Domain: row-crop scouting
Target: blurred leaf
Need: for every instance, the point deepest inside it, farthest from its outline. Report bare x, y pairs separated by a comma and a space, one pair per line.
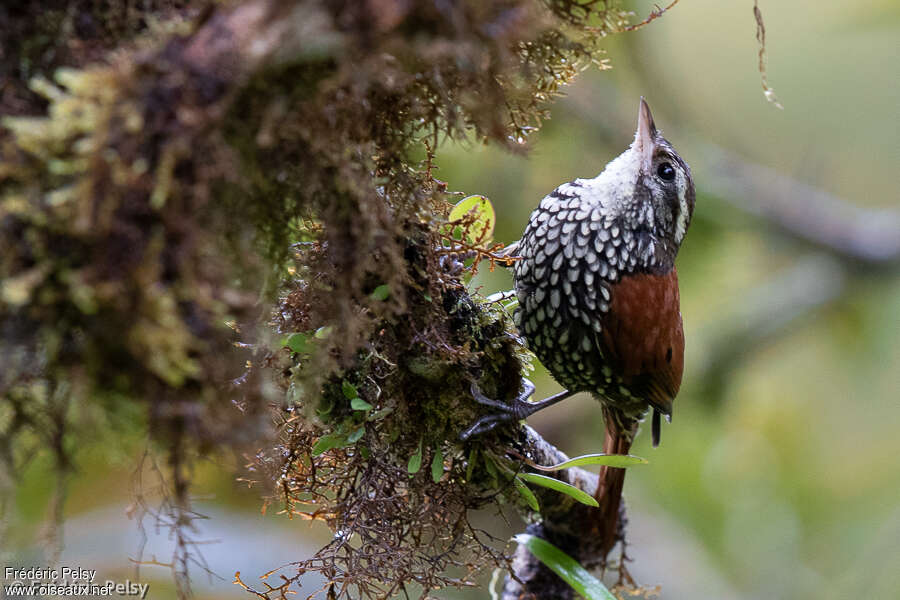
491, 468
610, 460
356, 435
324, 410
380, 413
300, 343
328, 442
382, 292
349, 390
324, 332
482, 229
559, 486
566, 567
415, 461
530, 499
437, 465
360, 404
17, 290
470, 467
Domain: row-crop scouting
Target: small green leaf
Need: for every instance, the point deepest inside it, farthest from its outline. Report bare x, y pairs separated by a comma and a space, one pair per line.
437, 465
470, 467
328, 442
482, 229
365, 452
299, 343
610, 460
490, 467
529, 497
566, 567
349, 390
380, 413
356, 435
415, 461
324, 409
360, 404
323, 332
382, 292
559, 486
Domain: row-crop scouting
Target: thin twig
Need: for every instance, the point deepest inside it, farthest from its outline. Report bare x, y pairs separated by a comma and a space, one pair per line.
761, 38
654, 14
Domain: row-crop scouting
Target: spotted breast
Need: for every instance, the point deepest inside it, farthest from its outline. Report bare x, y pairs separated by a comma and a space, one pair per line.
595, 316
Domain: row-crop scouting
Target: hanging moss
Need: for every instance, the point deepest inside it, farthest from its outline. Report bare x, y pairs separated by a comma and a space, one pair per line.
232, 206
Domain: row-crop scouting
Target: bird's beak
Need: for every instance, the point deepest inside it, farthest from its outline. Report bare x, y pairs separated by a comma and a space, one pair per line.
645, 134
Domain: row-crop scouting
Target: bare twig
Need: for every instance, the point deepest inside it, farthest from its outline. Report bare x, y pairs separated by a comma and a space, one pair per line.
463, 246
656, 13
866, 236
761, 38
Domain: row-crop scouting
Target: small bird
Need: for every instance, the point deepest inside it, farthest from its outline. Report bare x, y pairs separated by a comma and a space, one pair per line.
598, 291
599, 304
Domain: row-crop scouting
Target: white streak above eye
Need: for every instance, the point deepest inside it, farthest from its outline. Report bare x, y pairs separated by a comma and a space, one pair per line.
681, 222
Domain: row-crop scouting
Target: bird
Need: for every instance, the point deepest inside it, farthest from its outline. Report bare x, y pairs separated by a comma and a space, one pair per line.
597, 289
599, 305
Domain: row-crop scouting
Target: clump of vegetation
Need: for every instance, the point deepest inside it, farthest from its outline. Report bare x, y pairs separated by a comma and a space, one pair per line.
153, 205
371, 448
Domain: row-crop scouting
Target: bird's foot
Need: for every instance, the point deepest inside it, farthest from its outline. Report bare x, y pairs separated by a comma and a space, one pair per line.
516, 410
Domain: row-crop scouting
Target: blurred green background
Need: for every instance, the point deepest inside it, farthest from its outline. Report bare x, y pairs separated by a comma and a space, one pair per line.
780, 474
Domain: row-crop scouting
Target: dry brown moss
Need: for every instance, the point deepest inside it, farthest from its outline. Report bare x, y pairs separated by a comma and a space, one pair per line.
171, 191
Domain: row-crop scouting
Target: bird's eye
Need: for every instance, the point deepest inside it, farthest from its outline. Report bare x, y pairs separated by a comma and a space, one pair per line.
665, 171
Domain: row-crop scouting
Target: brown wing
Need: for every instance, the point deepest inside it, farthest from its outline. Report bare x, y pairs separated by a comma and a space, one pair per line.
644, 336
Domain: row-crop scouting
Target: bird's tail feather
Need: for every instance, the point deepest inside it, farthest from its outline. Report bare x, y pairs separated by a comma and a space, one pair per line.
620, 431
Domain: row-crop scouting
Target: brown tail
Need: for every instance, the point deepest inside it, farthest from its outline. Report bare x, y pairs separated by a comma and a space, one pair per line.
609, 523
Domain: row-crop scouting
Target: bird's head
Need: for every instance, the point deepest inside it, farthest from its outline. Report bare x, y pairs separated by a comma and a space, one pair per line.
664, 181
653, 189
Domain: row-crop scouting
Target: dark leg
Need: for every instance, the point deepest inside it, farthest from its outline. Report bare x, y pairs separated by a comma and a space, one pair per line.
520, 408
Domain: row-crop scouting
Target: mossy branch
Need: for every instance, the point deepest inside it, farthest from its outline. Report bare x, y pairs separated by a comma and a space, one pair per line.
232, 209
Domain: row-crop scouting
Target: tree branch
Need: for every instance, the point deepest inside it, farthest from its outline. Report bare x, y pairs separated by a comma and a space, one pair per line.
562, 523
767, 313
866, 236
134, 219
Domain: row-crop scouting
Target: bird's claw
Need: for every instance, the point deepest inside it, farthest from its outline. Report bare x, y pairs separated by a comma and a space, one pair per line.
516, 410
